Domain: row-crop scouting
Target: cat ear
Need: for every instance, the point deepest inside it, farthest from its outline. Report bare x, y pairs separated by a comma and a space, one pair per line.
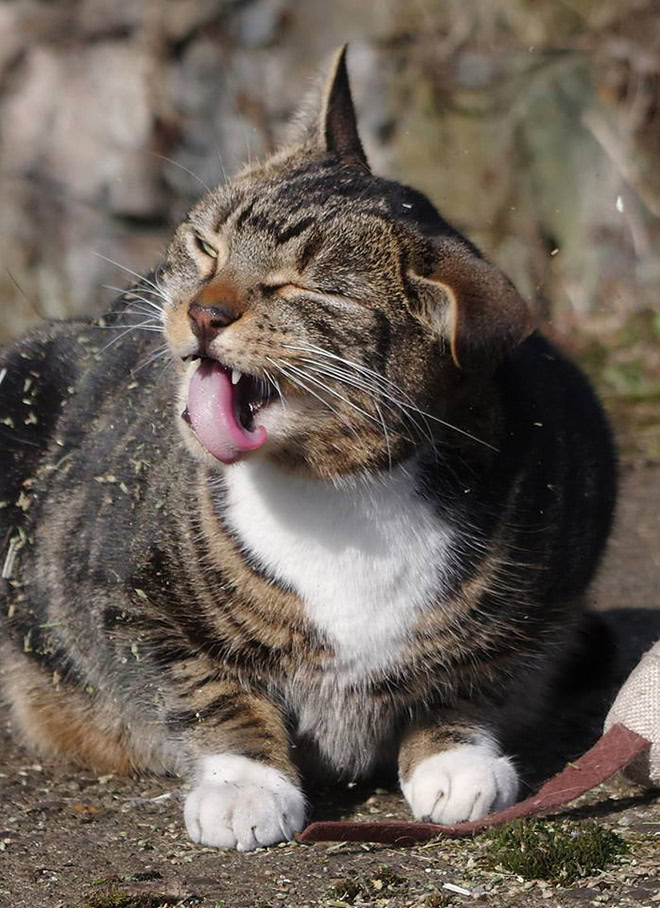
327, 116
472, 304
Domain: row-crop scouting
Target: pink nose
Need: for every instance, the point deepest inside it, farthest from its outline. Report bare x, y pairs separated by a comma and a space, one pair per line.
207, 321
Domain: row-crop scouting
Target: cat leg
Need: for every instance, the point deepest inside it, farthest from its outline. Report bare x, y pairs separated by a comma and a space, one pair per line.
56, 720
455, 771
247, 792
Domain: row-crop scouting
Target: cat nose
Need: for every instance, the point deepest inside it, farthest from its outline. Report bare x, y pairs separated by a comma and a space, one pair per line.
207, 321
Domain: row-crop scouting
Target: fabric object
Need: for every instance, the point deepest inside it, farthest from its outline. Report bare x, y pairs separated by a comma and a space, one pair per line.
637, 706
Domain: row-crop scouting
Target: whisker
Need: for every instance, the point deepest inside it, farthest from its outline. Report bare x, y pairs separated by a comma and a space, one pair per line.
374, 377
369, 386
380, 380
380, 422
130, 295
119, 336
386, 435
157, 354
222, 163
373, 391
140, 277
411, 407
130, 291
149, 325
274, 382
301, 384
330, 391
375, 381
33, 304
182, 167
157, 293
141, 310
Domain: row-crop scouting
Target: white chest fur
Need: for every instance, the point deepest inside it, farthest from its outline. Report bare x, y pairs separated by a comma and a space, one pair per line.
364, 560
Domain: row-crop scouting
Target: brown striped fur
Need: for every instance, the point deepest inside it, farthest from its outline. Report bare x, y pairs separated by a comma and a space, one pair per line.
403, 356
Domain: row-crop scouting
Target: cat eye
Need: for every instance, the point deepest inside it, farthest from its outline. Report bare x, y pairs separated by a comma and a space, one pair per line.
295, 291
206, 248
285, 288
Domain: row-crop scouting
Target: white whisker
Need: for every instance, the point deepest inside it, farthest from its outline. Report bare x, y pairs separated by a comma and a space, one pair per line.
140, 277
182, 167
222, 164
142, 311
386, 434
131, 291
157, 354
123, 333
148, 325
130, 295
274, 382
324, 387
412, 407
301, 384
373, 391
369, 382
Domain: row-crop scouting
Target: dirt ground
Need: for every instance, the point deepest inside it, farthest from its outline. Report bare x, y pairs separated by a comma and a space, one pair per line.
70, 838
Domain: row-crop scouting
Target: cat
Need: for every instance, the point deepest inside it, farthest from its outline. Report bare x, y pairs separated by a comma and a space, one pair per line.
344, 520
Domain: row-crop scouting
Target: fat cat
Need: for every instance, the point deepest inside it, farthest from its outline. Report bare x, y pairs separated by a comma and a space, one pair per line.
344, 519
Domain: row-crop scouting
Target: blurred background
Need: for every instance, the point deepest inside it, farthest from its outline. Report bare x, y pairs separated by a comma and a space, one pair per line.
534, 125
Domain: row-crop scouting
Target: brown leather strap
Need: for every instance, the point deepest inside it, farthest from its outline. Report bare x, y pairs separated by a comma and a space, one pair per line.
616, 749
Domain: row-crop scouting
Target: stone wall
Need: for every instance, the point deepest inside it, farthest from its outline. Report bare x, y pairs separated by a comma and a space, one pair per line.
533, 124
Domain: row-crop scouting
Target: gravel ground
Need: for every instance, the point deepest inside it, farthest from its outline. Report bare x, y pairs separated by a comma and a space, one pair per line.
70, 838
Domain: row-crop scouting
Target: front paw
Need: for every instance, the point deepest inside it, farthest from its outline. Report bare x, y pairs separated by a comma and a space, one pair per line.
243, 804
464, 783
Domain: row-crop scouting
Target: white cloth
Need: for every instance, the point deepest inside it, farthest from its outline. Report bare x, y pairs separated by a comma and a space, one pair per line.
637, 706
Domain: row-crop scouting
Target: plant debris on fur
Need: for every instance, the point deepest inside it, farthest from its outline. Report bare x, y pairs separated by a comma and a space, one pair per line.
558, 852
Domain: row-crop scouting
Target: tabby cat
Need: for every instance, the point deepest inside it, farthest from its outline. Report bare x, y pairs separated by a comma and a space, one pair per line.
344, 520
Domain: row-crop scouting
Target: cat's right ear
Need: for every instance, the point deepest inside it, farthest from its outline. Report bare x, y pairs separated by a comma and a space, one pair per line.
326, 119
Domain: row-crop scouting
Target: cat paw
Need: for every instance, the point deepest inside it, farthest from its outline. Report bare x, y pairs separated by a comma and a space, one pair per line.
243, 804
464, 783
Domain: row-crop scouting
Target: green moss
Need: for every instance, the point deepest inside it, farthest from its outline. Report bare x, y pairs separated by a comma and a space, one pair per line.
116, 898
559, 852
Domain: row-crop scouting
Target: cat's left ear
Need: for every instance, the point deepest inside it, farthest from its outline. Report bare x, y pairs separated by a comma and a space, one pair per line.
327, 118
471, 304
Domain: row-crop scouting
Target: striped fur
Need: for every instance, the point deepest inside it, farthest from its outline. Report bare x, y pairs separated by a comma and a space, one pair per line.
404, 559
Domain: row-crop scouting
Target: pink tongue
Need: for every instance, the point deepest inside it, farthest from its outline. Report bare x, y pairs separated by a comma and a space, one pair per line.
211, 412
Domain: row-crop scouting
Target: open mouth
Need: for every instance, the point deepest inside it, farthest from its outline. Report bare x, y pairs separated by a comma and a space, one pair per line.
222, 409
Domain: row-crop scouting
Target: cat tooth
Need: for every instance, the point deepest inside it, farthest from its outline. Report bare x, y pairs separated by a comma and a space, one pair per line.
235, 376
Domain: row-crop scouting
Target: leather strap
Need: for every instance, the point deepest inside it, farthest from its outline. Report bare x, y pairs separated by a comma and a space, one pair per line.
615, 750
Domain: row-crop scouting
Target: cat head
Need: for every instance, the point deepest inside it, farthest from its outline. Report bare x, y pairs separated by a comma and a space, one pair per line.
325, 316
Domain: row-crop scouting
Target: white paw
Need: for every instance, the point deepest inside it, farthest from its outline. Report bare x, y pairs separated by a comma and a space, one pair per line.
242, 804
464, 783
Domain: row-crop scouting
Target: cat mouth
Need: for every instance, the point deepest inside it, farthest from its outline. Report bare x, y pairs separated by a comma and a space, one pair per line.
222, 407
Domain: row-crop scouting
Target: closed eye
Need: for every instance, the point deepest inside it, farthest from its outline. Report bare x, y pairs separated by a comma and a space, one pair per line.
205, 247
286, 288
291, 291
